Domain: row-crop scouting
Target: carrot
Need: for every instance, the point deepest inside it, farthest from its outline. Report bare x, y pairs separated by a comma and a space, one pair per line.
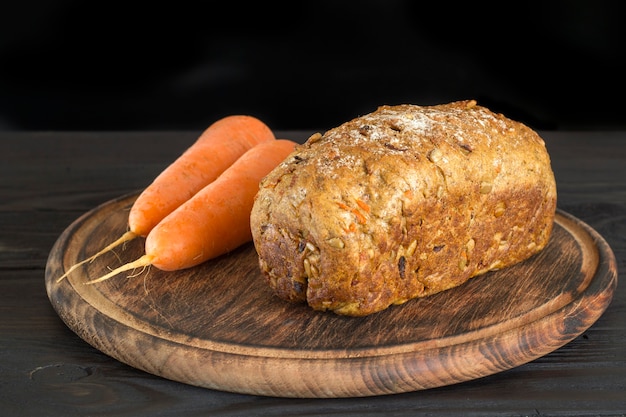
214, 221
217, 148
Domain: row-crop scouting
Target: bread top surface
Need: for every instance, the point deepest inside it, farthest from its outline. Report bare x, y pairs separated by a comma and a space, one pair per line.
327, 221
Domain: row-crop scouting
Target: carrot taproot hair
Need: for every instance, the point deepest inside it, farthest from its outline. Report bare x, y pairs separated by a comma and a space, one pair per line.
215, 220
216, 149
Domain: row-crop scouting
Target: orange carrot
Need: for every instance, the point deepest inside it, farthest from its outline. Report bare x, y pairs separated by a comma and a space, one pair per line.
217, 148
214, 221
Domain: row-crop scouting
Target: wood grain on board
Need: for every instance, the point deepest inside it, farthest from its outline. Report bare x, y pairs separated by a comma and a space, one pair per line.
219, 326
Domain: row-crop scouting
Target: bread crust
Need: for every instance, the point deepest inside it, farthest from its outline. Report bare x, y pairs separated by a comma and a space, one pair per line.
401, 203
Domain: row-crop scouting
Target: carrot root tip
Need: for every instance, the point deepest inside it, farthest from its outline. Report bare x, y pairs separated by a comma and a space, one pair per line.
143, 261
122, 239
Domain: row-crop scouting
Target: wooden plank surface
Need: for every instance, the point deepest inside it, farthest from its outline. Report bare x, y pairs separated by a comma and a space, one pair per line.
49, 179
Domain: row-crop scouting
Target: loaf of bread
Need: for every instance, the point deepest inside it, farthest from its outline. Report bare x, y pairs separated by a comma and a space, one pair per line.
401, 203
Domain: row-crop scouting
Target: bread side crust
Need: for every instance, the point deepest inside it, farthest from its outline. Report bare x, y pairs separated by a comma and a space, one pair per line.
401, 203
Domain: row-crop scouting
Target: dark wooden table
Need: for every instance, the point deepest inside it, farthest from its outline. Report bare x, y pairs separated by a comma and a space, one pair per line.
48, 179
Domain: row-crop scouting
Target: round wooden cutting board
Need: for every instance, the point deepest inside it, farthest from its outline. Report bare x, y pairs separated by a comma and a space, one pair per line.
219, 326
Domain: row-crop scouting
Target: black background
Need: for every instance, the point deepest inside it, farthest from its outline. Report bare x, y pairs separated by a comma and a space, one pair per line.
121, 65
